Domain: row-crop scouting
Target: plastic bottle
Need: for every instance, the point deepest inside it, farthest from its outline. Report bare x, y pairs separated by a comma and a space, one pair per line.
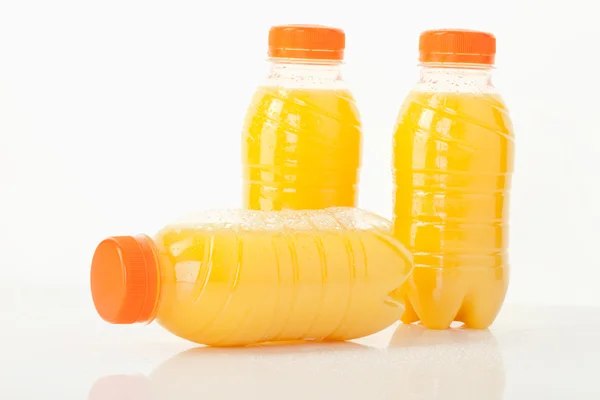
453, 161
302, 133
229, 278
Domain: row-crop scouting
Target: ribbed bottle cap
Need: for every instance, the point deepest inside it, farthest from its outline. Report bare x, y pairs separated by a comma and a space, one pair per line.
125, 279
457, 46
307, 42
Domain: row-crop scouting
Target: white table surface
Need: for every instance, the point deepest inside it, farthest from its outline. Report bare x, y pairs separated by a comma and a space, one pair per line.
53, 346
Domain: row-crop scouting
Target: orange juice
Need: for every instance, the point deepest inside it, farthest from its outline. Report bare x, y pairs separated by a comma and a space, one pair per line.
228, 278
301, 138
453, 151
302, 149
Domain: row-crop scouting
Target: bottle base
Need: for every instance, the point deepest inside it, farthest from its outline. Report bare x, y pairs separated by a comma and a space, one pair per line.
438, 297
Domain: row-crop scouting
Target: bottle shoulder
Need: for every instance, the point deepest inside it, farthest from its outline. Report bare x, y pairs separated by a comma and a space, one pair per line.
455, 114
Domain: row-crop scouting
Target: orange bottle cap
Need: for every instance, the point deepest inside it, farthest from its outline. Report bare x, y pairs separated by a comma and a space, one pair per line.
125, 279
457, 46
313, 42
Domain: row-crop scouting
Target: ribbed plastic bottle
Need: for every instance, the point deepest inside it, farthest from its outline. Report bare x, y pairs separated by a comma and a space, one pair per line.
301, 138
453, 161
228, 278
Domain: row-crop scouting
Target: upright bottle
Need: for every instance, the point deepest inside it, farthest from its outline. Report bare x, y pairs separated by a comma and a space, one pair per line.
453, 161
302, 133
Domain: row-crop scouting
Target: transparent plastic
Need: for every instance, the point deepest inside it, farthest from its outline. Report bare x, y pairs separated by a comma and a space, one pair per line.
301, 139
453, 161
242, 277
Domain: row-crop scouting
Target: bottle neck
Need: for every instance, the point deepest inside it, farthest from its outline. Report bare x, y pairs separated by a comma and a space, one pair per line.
459, 78
308, 74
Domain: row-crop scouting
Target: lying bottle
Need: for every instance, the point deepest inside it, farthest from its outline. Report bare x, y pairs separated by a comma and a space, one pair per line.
229, 278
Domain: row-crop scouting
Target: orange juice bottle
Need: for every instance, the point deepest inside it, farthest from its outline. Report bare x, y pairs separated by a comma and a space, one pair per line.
453, 161
302, 133
227, 278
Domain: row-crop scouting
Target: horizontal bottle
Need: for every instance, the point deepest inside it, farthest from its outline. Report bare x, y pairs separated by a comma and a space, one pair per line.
240, 277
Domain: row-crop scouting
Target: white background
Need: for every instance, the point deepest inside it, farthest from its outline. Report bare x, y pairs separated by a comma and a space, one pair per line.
117, 116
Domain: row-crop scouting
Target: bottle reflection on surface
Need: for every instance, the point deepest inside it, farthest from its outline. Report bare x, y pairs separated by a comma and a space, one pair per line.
418, 363
449, 364
295, 371
121, 387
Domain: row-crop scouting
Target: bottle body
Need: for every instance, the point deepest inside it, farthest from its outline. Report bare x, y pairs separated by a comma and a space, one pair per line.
301, 140
243, 277
453, 161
